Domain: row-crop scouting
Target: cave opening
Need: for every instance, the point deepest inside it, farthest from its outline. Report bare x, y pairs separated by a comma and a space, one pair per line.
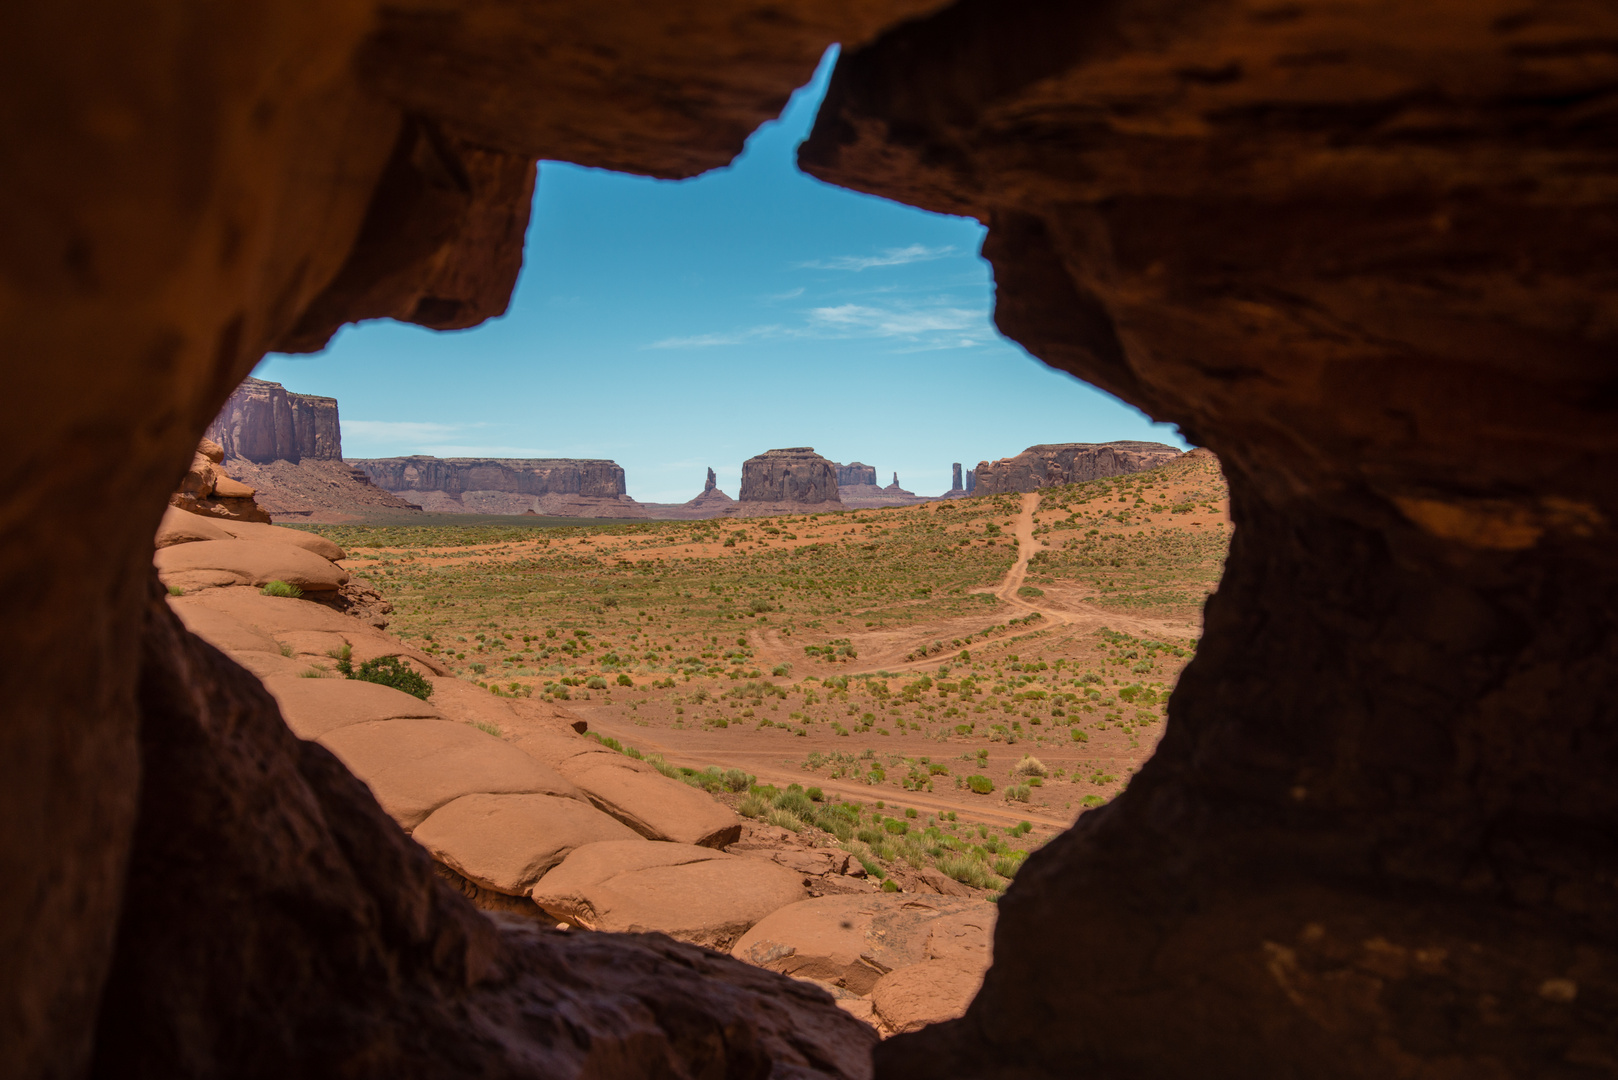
1365, 257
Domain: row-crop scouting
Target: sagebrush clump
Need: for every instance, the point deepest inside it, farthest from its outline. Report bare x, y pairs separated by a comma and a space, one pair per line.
389, 671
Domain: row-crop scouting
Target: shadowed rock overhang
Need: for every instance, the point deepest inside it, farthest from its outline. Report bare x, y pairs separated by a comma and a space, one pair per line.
1362, 251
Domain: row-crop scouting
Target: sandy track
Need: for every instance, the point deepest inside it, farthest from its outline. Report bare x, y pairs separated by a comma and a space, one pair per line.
766, 764
884, 650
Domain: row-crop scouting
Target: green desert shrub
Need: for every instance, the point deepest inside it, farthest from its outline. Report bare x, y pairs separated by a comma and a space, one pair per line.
391, 671
836, 824
752, 806
796, 803
736, 780
281, 588
625, 680
1007, 865
595, 682
967, 870
784, 819
980, 785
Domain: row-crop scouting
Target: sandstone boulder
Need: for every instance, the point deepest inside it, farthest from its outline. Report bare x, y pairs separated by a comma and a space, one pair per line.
252, 562
252, 530
181, 527
226, 488
925, 993
691, 893
313, 707
508, 842
853, 941
205, 490
415, 765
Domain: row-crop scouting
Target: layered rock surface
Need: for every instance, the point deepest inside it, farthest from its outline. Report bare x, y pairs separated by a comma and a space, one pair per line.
1363, 253
1050, 464
1340, 247
188, 889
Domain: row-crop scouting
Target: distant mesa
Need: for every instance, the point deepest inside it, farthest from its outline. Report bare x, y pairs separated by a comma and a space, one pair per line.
860, 491
288, 449
1050, 464
264, 421
550, 487
570, 487
792, 480
855, 474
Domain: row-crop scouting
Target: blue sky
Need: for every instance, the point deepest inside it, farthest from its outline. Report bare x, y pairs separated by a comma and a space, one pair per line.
673, 326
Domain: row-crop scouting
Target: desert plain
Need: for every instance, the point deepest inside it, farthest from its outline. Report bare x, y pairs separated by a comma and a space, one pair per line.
944, 685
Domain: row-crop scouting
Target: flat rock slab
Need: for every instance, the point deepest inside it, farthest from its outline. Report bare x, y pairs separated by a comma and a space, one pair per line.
691, 893
313, 707
567, 752
509, 842
224, 631
853, 941
253, 562
926, 993
655, 806
182, 527
414, 766
283, 618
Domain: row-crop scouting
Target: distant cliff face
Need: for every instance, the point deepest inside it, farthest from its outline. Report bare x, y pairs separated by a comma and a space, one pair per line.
263, 422
1050, 464
591, 478
854, 473
796, 475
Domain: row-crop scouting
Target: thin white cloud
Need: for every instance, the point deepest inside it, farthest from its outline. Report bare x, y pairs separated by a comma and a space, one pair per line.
935, 323
864, 320
890, 257
790, 294
733, 337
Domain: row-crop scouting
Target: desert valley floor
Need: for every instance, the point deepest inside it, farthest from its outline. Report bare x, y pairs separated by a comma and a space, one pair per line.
889, 660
